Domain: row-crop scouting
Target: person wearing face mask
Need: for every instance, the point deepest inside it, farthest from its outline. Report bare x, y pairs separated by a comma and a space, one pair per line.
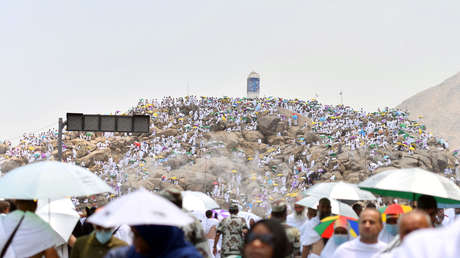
97, 244
390, 228
339, 237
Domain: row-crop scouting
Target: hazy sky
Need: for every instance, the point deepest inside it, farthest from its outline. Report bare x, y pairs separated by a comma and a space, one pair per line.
98, 56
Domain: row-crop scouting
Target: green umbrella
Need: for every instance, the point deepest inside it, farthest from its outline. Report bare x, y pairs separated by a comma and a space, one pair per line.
411, 183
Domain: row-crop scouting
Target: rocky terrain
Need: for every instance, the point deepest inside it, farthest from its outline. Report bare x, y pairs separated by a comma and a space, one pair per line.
249, 150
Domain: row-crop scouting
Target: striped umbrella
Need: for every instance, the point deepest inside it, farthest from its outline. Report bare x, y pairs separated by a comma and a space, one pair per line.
326, 228
393, 209
410, 183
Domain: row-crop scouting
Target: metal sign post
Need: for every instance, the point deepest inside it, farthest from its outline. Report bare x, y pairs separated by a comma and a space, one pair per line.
102, 123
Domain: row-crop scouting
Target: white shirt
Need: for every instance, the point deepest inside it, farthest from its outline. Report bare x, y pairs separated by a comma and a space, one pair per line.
356, 249
296, 221
309, 235
438, 242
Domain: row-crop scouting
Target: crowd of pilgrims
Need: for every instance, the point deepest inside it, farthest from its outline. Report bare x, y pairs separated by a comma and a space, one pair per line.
338, 127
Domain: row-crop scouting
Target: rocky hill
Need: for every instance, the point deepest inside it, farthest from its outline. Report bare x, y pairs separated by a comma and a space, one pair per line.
439, 108
252, 150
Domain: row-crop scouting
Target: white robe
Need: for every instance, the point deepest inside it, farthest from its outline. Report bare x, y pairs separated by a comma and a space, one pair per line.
296, 221
357, 249
309, 235
438, 242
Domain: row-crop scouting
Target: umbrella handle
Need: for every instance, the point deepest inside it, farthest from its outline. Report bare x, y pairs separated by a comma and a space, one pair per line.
10, 239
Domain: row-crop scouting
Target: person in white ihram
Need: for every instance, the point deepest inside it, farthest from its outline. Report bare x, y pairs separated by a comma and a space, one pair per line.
297, 218
367, 244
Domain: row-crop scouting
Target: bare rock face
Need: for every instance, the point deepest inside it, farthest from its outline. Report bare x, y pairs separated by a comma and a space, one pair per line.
271, 125
275, 140
311, 137
3, 148
168, 132
99, 155
230, 139
252, 136
11, 164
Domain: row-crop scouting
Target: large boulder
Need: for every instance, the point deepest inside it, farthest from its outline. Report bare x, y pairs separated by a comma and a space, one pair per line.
253, 136
230, 139
11, 164
275, 140
310, 137
99, 155
168, 132
271, 125
3, 148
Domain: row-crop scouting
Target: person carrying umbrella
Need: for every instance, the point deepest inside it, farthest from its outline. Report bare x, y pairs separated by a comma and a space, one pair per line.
194, 232
158, 241
390, 227
340, 236
309, 236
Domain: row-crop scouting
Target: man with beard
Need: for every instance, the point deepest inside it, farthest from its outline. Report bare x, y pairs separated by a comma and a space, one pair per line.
297, 218
310, 237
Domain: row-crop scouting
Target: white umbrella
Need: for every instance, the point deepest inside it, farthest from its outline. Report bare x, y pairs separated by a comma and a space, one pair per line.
197, 201
60, 214
338, 208
33, 236
410, 183
340, 191
140, 208
50, 180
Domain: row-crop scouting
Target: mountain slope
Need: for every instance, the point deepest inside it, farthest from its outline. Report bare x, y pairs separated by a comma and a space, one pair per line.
440, 108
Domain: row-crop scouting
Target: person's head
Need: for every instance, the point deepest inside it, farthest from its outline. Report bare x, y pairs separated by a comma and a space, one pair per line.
155, 240
173, 194
233, 209
4, 207
413, 220
340, 235
102, 234
370, 225
299, 209
429, 205
324, 208
391, 226
311, 213
371, 205
266, 239
279, 210
357, 208
209, 214
26, 205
